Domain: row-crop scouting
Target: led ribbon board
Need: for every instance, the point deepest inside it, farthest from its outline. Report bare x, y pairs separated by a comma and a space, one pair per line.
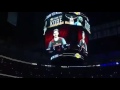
71, 18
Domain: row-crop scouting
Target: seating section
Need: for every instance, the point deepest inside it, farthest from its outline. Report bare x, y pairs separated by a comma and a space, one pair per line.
12, 69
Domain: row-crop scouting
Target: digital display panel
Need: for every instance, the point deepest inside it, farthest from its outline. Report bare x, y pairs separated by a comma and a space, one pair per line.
77, 19
66, 35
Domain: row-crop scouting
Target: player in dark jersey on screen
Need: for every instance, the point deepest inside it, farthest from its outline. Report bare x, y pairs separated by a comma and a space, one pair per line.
82, 44
56, 41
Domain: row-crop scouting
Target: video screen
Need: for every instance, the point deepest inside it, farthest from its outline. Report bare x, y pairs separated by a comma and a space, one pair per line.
77, 19
74, 20
64, 37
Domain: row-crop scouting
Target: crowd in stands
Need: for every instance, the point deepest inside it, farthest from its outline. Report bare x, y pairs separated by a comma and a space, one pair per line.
23, 70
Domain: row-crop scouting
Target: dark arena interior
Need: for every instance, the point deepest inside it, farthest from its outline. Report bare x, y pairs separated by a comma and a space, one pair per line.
25, 51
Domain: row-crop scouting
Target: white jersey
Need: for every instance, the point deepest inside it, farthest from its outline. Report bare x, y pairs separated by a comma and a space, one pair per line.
72, 21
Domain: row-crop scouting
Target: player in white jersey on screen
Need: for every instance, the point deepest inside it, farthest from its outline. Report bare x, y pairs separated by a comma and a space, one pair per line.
71, 19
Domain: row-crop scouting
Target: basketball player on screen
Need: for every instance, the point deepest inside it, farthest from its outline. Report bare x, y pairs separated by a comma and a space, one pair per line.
79, 21
56, 41
82, 44
71, 19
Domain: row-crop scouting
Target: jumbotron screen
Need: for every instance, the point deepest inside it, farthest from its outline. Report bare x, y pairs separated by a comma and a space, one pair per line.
66, 35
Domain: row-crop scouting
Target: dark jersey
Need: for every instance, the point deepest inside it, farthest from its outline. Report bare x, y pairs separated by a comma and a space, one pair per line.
53, 43
56, 43
83, 45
